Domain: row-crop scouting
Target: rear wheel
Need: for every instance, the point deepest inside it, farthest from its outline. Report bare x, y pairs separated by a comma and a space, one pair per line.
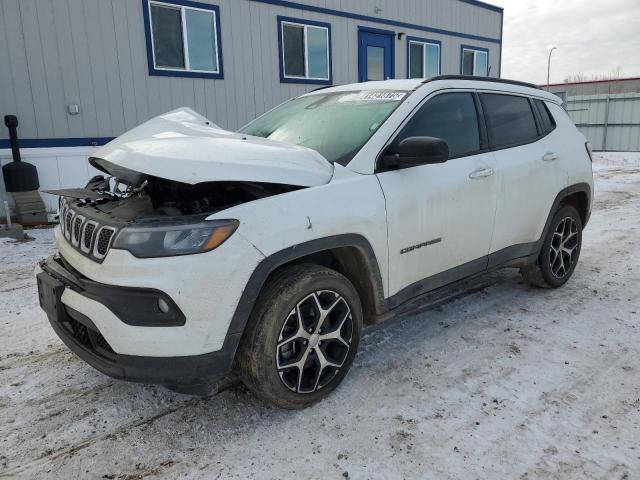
560, 251
302, 337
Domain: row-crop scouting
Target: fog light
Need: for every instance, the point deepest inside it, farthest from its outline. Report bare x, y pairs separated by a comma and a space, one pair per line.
163, 306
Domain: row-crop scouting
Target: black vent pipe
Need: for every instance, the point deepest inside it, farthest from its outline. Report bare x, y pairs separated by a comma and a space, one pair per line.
11, 121
18, 176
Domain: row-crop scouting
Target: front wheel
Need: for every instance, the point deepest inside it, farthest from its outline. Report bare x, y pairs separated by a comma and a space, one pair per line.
302, 337
560, 251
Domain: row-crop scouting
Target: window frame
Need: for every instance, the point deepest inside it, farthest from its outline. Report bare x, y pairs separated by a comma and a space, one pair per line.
182, 5
424, 42
482, 129
282, 20
475, 50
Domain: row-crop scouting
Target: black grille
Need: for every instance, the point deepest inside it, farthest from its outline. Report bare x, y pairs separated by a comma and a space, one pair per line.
103, 241
77, 223
87, 336
80, 332
101, 342
88, 235
67, 222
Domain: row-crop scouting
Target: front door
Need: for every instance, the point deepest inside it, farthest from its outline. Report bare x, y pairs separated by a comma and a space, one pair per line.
375, 56
440, 217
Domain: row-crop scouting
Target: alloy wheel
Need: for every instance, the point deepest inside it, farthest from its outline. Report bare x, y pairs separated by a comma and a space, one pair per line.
314, 341
563, 248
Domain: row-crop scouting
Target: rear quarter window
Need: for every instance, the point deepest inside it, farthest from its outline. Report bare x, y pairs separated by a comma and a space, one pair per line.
509, 118
547, 120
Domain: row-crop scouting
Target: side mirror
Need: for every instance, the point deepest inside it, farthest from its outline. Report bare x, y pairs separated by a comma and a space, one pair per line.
414, 151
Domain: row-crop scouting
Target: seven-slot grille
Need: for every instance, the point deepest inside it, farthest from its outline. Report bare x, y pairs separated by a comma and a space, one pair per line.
88, 236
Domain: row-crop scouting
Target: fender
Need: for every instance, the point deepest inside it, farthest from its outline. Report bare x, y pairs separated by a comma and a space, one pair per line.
528, 252
269, 264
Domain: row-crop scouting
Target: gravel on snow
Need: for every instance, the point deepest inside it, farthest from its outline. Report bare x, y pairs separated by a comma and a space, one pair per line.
507, 381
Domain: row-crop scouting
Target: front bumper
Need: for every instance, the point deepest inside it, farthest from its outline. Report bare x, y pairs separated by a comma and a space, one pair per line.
196, 374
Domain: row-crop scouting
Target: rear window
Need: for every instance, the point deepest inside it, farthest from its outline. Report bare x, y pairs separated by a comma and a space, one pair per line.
509, 119
548, 123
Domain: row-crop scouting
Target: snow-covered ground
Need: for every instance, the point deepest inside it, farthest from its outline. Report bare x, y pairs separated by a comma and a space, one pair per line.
505, 382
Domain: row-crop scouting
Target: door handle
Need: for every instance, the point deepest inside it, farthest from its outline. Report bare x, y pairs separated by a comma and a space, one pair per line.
481, 173
550, 156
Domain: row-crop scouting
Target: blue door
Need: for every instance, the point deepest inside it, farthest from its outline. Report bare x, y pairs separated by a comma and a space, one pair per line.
375, 55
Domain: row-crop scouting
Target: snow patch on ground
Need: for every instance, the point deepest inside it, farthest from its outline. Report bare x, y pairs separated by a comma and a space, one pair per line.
505, 382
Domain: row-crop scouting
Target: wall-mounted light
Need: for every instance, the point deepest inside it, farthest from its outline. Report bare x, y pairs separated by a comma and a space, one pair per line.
400, 35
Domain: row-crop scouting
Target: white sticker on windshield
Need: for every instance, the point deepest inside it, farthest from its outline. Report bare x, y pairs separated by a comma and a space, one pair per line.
374, 96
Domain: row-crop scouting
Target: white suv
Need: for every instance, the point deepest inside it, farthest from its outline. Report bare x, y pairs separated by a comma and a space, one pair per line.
208, 256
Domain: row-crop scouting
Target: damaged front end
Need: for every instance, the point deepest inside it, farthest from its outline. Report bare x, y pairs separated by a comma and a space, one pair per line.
166, 176
151, 216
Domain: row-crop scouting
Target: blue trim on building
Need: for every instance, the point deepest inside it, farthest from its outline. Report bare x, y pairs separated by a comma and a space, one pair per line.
479, 49
153, 71
383, 21
425, 40
313, 23
58, 142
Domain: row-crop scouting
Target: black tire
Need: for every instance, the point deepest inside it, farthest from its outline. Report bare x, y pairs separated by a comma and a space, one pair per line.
298, 293
550, 269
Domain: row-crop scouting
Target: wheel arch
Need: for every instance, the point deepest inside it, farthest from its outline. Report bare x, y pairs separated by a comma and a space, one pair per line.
580, 200
349, 254
578, 196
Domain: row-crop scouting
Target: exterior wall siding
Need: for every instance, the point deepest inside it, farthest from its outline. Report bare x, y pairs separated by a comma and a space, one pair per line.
93, 53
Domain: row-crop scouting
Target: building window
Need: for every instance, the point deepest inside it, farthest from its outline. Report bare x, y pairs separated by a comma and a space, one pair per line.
474, 61
183, 39
423, 58
305, 51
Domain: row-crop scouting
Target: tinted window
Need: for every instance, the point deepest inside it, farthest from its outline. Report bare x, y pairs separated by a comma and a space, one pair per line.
467, 62
167, 37
451, 117
510, 120
293, 40
548, 123
416, 60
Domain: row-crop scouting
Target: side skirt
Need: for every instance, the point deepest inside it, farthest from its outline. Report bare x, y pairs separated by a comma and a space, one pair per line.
439, 284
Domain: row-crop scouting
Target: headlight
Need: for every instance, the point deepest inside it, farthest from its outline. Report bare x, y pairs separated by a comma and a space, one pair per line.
171, 240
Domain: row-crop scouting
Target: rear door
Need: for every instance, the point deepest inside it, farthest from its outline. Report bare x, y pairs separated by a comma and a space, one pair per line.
528, 173
440, 216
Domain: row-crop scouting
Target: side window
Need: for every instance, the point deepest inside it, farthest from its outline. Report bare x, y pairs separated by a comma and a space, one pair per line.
548, 123
449, 116
509, 119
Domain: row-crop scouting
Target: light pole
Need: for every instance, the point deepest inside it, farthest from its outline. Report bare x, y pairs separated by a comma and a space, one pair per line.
549, 65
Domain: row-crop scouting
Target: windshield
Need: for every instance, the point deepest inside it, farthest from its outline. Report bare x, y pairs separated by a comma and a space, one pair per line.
336, 125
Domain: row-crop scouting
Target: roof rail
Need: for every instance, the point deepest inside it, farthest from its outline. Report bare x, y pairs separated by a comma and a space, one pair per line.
483, 79
321, 88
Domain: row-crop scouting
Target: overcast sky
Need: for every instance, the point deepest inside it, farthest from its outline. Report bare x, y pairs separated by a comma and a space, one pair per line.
592, 36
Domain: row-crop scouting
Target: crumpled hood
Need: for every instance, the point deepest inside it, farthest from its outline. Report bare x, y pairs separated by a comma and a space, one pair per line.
184, 146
